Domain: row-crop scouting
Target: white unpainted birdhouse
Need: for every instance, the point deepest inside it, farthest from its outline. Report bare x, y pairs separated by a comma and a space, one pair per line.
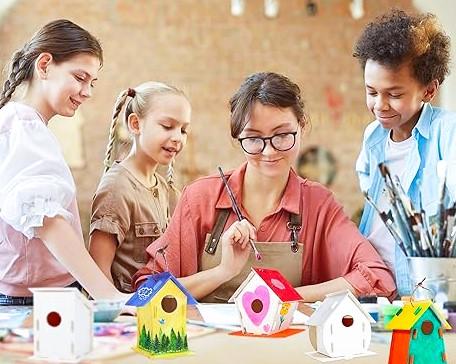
62, 324
340, 327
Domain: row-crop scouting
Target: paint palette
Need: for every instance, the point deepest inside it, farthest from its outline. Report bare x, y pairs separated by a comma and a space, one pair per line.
107, 310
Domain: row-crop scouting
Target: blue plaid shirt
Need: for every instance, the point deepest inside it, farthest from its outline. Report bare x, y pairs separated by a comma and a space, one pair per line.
435, 139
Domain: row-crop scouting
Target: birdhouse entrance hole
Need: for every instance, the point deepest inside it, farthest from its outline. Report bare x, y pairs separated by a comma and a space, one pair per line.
168, 303
54, 319
257, 305
427, 327
347, 320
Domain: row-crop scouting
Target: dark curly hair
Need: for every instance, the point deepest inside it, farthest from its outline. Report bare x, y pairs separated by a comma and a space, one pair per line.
397, 37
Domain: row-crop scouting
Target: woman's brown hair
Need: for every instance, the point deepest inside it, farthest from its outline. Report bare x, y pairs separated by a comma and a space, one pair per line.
268, 88
61, 38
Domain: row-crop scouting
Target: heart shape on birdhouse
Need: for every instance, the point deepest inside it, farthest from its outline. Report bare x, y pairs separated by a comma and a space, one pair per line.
256, 304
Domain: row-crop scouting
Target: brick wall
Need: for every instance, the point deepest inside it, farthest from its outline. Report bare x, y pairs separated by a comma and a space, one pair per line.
198, 46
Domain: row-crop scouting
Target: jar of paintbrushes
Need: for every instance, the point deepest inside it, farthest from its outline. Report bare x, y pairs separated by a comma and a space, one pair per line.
428, 243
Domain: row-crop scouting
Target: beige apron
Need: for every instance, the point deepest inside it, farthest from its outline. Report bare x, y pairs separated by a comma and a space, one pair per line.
275, 255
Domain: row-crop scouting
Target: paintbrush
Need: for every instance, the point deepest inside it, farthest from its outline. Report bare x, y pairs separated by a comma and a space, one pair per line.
398, 210
450, 215
418, 235
388, 221
427, 229
450, 220
406, 209
442, 174
452, 247
237, 210
415, 228
425, 237
405, 200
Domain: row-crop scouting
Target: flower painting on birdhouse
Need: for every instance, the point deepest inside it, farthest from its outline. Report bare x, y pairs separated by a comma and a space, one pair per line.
161, 304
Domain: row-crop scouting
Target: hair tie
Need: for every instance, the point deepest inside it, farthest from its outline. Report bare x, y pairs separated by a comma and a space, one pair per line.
131, 92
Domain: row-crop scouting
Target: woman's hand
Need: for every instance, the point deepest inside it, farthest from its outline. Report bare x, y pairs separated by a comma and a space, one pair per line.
236, 248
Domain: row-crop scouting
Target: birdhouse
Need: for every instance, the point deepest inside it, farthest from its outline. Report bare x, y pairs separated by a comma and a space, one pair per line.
161, 304
266, 302
418, 334
340, 327
62, 324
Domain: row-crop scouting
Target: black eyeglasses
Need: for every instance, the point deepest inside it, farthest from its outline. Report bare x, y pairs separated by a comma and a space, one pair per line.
281, 142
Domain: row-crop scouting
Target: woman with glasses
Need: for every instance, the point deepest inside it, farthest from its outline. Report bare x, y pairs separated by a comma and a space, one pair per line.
296, 225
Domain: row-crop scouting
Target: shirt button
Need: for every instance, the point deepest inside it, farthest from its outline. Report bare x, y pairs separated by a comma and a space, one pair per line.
262, 228
156, 230
141, 230
155, 193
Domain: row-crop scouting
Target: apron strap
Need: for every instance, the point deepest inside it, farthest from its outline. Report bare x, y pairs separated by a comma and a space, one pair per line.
295, 224
217, 231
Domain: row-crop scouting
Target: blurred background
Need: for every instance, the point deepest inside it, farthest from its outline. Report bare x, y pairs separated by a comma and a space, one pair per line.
207, 47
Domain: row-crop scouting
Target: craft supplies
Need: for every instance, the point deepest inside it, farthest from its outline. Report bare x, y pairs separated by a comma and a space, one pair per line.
416, 233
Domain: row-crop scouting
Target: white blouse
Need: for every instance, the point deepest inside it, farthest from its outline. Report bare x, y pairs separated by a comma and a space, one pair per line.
35, 180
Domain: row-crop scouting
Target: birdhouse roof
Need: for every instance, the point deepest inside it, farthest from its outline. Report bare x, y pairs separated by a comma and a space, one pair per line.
331, 302
152, 286
275, 281
410, 313
72, 291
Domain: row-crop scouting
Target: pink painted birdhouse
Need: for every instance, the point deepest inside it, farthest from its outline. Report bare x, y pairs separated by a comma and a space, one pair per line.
266, 302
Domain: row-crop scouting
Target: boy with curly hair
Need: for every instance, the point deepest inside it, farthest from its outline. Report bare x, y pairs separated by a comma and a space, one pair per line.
405, 59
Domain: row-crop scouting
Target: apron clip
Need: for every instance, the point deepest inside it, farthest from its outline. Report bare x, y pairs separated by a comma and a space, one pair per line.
294, 236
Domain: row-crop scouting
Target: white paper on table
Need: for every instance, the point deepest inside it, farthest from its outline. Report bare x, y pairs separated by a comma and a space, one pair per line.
226, 314
324, 359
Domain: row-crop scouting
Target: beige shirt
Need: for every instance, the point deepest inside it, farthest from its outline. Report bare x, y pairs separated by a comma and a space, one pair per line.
137, 215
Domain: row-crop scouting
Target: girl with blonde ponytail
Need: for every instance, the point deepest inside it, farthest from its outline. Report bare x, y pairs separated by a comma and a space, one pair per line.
41, 243
133, 203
